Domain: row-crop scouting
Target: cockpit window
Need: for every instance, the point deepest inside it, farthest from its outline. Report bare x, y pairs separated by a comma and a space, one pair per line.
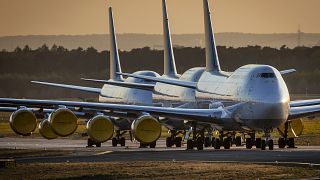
266, 75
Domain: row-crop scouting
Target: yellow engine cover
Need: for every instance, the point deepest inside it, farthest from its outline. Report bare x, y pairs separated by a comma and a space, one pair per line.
46, 131
23, 122
63, 122
146, 129
100, 128
295, 128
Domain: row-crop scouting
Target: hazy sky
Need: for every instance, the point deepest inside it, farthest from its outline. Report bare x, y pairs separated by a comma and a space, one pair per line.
46, 17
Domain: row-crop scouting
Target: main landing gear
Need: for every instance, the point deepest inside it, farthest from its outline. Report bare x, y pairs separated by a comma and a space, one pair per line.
196, 141
91, 142
174, 139
119, 139
285, 140
151, 145
260, 143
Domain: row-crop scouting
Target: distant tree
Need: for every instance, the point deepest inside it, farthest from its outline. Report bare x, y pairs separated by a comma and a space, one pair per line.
26, 49
17, 50
54, 48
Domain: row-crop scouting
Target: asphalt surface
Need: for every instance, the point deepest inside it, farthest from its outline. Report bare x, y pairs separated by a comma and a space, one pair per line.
79, 153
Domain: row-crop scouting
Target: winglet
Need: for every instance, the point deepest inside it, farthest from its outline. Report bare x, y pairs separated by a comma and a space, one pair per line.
212, 60
114, 54
169, 62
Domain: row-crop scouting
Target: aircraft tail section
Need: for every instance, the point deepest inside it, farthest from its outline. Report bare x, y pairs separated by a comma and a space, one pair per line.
212, 60
169, 61
114, 54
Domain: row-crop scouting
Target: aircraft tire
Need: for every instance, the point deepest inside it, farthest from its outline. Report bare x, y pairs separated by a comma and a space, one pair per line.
281, 143
238, 141
123, 141
217, 143
114, 142
199, 143
291, 143
248, 143
226, 143
270, 144
263, 144
258, 143
153, 144
98, 144
178, 141
207, 142
189, 144
168, 142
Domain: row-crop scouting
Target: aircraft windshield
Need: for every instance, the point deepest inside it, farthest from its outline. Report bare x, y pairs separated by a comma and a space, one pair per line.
266, 75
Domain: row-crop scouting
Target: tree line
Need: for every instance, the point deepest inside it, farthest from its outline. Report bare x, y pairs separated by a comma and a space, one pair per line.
61, 65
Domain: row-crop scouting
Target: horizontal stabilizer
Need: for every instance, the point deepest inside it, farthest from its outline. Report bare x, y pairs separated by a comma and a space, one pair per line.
187, 84
66, 86
288, 71
148, 87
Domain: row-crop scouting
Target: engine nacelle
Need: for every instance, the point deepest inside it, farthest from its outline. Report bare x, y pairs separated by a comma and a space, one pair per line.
23, 122
63, 122
100, 128
46, 131
146, 129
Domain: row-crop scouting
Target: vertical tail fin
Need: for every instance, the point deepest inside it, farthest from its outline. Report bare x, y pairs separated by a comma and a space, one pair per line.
212, 60
114, 54
169, 62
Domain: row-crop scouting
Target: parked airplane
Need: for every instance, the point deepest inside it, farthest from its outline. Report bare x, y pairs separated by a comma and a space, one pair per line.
252, 98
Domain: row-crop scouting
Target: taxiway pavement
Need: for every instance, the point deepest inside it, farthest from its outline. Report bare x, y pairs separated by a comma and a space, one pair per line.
131, 152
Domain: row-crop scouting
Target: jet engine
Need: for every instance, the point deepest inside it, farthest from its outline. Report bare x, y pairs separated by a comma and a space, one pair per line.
23, 122
46, 131
100, 128
295, 128
146, 129
63, 122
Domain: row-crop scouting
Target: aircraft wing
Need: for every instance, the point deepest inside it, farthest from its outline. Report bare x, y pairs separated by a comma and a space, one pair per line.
303, 111
187, 84
308, 102
66, 86
148, 87
203, 115
288, 71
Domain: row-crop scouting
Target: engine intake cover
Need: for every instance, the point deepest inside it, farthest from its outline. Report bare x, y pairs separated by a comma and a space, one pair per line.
146, 129
23, 122
100, 128
46, 131
63, 122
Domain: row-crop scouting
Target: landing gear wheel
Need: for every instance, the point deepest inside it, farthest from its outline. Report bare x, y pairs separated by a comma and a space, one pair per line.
217, 143
248, 143
90, 143
142, 145
270, 144
199, 143
281, 143
258, 143
263, 144
207, 142
291, 143
123, 141
153, 144
178, 141
114, 142
213, 141
189, 144
98, 144
226, 143
168, 142
238, 141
